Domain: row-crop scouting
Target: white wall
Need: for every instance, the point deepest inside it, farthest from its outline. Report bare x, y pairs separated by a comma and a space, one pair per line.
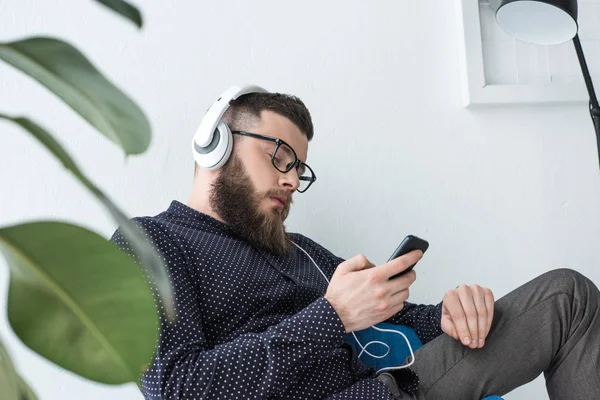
502, 194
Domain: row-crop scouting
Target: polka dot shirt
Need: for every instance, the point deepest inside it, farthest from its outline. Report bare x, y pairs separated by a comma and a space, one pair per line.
251, 325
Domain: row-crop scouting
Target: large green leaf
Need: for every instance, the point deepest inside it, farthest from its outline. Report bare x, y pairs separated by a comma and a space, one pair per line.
12, 386
125, 9
76, 299
69, 75
9, 381
149, 258
25, 390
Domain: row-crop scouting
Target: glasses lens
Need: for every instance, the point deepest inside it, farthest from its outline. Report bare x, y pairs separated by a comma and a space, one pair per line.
306, 177
284, 158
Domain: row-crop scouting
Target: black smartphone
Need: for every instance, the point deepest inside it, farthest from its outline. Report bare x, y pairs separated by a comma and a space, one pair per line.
409, 244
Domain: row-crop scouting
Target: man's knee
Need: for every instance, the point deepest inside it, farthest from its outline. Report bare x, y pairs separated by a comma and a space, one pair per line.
569, 281
565, 274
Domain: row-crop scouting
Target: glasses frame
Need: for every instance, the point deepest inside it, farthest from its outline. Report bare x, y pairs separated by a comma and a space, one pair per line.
278, 143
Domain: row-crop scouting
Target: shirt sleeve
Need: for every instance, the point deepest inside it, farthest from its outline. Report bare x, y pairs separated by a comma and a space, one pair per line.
426, 320
253, 365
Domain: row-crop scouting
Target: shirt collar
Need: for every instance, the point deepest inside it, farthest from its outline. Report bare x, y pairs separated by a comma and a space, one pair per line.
183, 210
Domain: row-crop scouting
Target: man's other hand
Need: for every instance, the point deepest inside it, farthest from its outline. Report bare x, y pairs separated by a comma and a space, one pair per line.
467, 314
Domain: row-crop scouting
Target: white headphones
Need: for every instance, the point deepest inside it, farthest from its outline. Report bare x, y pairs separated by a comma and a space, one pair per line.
213, 141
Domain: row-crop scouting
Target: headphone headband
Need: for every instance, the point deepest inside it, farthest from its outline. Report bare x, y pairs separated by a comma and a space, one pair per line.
212, 142
213, 116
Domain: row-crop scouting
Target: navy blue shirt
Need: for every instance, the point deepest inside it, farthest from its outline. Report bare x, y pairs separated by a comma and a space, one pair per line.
250, 324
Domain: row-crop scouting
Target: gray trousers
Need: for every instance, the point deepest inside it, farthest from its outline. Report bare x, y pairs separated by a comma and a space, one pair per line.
551, 325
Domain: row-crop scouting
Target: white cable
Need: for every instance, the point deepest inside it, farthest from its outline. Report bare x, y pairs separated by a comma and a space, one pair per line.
364, 348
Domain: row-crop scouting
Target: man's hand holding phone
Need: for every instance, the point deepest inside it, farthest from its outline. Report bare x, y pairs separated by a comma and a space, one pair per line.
363, 296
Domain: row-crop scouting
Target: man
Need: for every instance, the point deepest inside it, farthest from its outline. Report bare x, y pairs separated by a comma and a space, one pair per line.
262, 313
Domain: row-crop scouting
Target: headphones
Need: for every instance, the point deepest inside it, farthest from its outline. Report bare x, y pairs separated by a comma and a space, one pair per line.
213, 141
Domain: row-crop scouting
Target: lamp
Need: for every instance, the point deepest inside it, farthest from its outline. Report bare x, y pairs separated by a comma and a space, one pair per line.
548, 22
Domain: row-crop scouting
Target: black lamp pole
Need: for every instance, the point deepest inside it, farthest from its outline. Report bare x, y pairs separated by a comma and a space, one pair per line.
594, 107
548, 22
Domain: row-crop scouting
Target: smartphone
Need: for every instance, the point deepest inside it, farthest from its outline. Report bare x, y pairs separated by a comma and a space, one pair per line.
409, 244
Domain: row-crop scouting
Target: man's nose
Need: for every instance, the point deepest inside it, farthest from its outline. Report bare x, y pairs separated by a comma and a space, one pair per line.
290, 180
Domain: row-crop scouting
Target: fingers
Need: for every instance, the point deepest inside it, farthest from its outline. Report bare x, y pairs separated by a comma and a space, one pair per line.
400, 284
398, 300
401, 296
470, 310
390, 305
482, 314
399, 264
356, 263
468, 306
489, 303
447, 324
454, 308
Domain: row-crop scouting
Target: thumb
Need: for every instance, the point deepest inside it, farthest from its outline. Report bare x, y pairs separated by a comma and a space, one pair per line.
448, 325
356, 263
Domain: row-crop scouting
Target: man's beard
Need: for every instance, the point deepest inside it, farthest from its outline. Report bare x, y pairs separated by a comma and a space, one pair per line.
234, 199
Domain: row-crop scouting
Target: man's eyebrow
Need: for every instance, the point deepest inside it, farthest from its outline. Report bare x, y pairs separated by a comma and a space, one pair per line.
286, 149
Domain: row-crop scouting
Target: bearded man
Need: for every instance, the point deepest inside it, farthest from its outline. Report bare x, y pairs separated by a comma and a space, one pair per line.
262, 313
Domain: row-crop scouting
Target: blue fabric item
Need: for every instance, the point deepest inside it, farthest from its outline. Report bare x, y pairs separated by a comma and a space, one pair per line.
399, 351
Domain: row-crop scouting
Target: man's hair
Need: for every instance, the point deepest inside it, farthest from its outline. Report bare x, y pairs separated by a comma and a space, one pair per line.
244, 112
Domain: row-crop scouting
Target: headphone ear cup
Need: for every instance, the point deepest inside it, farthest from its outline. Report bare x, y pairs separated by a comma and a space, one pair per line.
218, 151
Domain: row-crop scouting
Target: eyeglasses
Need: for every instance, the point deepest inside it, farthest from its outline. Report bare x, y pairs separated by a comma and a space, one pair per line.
284, 159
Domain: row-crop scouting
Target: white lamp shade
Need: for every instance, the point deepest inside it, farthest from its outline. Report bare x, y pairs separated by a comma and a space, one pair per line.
536, 22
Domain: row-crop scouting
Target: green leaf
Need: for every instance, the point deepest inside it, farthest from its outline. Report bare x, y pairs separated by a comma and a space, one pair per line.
76, 299
125, 9
8, 377
149, 258
69, 75
25, 390
12, 385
